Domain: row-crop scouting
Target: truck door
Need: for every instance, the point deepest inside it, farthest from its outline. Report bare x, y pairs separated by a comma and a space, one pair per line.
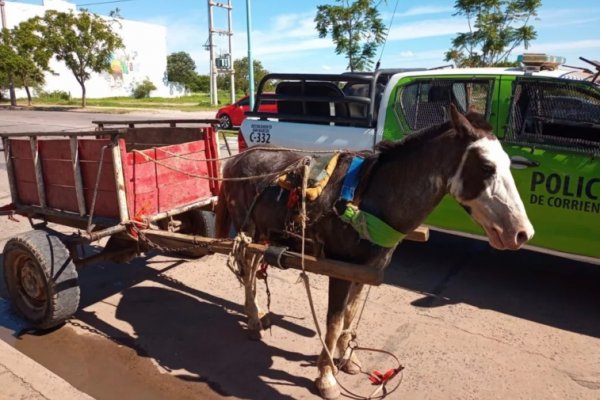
553, 139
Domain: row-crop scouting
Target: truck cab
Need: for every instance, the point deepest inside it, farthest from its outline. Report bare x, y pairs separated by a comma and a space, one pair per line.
546, 116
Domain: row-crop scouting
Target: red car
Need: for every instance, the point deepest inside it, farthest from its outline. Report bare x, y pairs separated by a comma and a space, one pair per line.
233, 114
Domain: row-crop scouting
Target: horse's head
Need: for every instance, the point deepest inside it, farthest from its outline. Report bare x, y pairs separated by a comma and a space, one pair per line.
484, 186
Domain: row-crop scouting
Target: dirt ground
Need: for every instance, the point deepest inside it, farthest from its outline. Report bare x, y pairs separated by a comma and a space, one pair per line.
465, 321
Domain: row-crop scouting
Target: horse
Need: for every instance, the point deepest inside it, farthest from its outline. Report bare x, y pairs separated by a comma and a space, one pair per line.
400, 183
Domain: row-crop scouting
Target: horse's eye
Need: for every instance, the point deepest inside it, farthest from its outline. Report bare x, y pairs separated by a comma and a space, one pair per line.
488, 169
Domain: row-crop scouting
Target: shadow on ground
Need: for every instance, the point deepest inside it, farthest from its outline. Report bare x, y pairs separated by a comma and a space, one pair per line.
184, 328
546, 289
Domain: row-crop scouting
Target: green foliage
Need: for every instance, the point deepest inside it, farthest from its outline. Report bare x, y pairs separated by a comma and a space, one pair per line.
84, 41
200, 83
25, 55
355, 28
143, 89
181, 69
496, 28
54, 95
241, 81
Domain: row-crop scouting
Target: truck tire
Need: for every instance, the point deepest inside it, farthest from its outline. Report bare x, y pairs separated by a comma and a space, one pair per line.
193, 222
41, 278
201, 223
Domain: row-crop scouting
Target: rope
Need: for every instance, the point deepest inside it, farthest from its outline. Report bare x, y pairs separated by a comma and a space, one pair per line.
263, 148
290, 168
306, 280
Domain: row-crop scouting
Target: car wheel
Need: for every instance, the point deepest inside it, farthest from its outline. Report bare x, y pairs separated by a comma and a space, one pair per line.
225, 122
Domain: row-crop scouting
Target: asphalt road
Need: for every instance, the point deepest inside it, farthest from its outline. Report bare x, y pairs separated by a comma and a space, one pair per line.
466, 321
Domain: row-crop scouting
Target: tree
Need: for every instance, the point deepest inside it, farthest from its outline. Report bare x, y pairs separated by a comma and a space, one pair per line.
200, 83
355, 28
241, 81
181, 69
142, 90
496, 28
84, 41
25, 55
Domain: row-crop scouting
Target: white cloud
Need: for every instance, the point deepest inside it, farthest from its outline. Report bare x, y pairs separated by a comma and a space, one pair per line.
428, 28
425, 10
326, 67
558, 46
407, 54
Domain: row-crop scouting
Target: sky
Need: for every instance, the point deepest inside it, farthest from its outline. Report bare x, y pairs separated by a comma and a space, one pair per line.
284, 38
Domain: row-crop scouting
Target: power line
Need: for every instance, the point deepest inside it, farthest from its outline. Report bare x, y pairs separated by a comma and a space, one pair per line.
386, 35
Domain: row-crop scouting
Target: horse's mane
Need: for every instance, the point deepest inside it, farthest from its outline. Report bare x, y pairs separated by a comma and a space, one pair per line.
418, 138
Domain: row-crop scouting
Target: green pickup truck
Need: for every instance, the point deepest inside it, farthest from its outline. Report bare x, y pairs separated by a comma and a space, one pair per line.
547, 116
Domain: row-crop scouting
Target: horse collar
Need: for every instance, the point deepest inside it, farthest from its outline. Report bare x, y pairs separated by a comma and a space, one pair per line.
367, 225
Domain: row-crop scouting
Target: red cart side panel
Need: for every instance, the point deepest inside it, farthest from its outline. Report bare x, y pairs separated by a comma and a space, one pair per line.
58, 175
90, 152
24, 171
57, 170
173, 181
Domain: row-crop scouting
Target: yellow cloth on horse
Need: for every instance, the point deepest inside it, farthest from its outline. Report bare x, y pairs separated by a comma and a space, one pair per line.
321, 169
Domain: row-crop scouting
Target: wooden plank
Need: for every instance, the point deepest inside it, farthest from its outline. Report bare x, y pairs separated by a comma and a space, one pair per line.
106, 203
322, 266
9, 170
182, 193
39, 175
62, 198
23, 169
117, 149
74, 147
54, 149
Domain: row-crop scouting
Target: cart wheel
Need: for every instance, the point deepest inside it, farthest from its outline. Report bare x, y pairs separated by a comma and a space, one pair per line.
201, 223
41, 278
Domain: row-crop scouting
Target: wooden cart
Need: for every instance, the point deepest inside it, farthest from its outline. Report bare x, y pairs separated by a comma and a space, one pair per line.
142, 187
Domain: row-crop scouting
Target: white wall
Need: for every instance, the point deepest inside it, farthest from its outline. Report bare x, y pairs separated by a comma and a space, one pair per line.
144, 56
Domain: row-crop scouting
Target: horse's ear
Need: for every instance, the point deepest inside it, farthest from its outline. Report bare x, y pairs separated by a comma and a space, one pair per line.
460, 123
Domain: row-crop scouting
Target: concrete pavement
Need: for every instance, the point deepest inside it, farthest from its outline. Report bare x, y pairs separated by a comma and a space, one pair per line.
21, 378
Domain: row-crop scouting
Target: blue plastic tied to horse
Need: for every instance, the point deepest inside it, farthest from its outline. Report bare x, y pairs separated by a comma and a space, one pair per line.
367, 225
351, 179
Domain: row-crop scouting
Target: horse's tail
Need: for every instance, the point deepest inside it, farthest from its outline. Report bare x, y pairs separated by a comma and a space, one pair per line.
223, 221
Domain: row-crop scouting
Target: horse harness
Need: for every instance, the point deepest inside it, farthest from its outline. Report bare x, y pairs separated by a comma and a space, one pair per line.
347, 206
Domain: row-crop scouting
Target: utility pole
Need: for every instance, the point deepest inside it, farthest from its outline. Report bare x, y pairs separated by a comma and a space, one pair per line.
217, 65
213, 67
231, 69
11, 84
250, 59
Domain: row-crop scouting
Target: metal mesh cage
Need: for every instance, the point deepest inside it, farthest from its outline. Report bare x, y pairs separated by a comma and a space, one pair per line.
425, 103
556, 113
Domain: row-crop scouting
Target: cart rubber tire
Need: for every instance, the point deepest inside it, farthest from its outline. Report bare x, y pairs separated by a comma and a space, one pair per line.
41, 278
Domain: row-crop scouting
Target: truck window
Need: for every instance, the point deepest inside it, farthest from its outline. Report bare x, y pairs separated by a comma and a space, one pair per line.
565, 114
425, 103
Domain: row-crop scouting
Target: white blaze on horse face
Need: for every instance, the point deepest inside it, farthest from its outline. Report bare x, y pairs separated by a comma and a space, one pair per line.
497, 207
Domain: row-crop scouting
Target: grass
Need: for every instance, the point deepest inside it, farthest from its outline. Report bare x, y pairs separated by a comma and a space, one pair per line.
193, 102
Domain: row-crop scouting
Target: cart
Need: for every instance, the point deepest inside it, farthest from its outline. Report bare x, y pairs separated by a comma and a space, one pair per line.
141, 184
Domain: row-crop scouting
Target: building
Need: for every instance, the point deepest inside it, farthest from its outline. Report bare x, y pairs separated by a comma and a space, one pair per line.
144, 55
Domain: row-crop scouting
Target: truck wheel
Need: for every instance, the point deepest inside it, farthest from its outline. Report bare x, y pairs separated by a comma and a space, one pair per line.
201, 223
41, 278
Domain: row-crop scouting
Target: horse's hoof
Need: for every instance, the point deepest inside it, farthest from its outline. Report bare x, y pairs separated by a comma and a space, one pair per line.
265, 321
254, 334
327, 391
352, 367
